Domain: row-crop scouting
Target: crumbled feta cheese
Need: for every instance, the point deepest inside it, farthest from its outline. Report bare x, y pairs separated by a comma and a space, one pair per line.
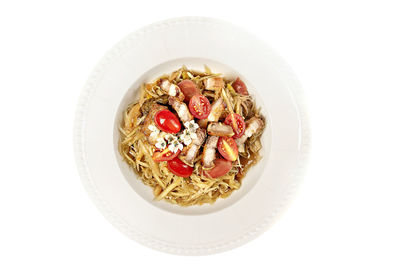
175, 145
161, 144
170, 137
191, 126
185, 137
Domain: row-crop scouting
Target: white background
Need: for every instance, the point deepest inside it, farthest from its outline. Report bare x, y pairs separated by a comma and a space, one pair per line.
347, 57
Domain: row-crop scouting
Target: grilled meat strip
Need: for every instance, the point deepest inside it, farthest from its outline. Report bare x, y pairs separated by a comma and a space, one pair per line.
217, 107
209, 152
219, 129
181, 109
171, 89
215, 84
253, 125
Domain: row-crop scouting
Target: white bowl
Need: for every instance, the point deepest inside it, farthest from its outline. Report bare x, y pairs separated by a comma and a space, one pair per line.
268, 187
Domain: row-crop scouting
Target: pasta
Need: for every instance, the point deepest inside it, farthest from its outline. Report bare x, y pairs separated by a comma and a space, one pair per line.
139, 141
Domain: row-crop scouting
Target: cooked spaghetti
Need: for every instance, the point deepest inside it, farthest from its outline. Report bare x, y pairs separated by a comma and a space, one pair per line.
192, 136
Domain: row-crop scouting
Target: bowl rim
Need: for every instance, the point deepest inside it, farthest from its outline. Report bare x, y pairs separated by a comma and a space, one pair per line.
297, 173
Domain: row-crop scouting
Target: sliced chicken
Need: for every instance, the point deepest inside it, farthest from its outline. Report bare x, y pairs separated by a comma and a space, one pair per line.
219, 129
150, 121
171, 89
190, 152
209, 152
181, 109
217, 107
215, 84
254, 125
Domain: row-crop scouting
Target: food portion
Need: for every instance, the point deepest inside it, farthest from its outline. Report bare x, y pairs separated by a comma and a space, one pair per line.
192, 136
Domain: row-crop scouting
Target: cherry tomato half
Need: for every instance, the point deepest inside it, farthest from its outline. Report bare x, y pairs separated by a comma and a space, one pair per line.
167, 122
227, 148
177, 167
237, 123
165, 155
189, 89
221, 167
240, 87
199, 106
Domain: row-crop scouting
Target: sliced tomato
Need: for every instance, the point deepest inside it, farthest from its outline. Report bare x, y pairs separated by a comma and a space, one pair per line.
227, 148
177, 167
221, 167
165, 155
189, 89
237, 123
199, 106
167, 122
240, 87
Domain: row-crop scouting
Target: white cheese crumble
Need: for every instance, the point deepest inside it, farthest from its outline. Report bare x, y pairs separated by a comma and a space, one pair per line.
175, 142
191, 126
185, 137
170, 137
161, 144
